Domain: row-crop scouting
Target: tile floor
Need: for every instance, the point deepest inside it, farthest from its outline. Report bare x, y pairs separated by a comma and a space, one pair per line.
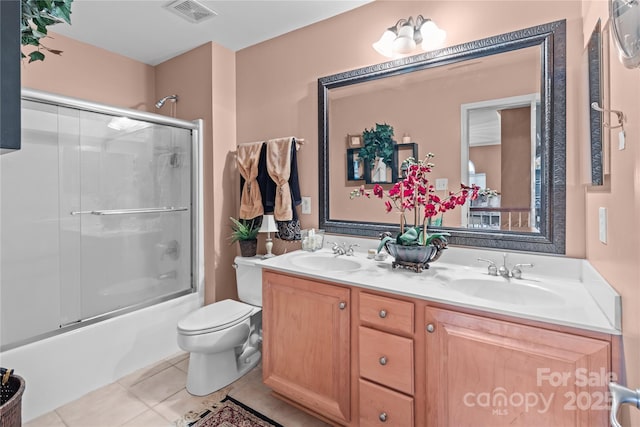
155, 396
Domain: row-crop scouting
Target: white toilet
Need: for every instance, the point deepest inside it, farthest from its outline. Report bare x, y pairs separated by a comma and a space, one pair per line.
224, 337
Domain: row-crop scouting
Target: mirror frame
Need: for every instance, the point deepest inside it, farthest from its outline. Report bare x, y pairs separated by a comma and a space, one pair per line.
551, 38
594, 68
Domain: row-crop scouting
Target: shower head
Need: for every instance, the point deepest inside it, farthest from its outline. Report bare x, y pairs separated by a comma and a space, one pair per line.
160, 103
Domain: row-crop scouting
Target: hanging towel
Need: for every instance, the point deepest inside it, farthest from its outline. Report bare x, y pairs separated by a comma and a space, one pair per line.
279, 168
248, 156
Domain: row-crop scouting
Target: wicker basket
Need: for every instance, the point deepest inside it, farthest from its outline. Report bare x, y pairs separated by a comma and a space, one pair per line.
11, 402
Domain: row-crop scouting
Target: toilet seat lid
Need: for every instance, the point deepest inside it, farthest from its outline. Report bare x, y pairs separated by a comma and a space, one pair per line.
214, 317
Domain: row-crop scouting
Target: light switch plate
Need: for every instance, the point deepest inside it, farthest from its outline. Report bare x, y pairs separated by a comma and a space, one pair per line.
306, 205
602, 224
442, 183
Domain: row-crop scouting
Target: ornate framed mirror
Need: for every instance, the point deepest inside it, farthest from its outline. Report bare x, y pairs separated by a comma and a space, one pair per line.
423, 95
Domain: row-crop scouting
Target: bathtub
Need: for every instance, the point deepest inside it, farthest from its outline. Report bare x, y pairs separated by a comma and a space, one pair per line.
62, 368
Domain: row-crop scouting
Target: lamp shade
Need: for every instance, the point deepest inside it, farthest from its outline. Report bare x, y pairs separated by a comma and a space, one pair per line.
404, 43
432, 36
384, 46
268, 224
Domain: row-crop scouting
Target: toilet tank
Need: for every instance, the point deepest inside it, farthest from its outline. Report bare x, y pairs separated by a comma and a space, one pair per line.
249, 279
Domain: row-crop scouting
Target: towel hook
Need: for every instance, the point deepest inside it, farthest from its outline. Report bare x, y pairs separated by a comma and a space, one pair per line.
620, 114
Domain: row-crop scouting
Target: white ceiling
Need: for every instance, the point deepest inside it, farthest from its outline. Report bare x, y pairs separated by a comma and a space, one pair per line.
145, 31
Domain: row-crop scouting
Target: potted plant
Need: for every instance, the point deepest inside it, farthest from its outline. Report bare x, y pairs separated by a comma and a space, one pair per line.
246, 234
11, 390
413, 246
36, 16
377, 151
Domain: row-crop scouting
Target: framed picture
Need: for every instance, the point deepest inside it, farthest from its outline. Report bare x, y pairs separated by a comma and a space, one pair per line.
402, 153
354, 141
355, 165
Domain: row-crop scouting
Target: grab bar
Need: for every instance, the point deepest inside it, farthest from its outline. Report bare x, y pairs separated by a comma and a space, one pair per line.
132, 211
621, 395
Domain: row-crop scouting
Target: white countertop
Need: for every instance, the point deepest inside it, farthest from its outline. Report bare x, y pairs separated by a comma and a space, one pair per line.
581, 298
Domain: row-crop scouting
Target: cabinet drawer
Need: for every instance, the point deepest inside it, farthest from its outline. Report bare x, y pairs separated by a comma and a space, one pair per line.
386, 359
380, 406
385, 313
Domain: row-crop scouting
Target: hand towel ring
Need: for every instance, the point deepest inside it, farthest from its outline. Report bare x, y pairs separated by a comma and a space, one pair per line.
621, 117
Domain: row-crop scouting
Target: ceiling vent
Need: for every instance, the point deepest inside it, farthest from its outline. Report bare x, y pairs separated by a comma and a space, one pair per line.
191, 10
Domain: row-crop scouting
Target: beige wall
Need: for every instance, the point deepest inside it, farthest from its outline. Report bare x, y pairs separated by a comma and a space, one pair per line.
487, 160
204, 79
87, 72
619, 259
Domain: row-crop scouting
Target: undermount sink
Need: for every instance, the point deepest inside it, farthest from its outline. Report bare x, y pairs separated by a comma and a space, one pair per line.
509, 291
326, 262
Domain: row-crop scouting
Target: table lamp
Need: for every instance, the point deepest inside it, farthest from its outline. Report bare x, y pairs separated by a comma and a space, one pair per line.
268, 226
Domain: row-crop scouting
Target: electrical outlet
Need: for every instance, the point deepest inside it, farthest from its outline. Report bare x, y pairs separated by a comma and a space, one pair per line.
442, 183
602, 224
306, 205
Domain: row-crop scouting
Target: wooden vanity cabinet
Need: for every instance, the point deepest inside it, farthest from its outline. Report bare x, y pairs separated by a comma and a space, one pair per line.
306, 345
487, 372
356, 357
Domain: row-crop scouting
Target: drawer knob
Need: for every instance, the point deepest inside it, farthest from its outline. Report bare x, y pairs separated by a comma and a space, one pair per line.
342, 305
383, 417
383, 360
383, 314
430, 328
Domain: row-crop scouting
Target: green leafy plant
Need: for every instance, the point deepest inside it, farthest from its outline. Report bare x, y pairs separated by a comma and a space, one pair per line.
378, 142
243, 230
37, 15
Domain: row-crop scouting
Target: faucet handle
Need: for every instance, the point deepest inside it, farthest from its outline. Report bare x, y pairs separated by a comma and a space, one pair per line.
517, 271
492, 269
338, 248
350, 250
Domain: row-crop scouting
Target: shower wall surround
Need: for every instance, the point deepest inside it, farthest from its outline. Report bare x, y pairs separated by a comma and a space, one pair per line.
99, 216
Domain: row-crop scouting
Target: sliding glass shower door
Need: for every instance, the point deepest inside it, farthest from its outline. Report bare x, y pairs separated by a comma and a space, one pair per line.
134, 212
97, 217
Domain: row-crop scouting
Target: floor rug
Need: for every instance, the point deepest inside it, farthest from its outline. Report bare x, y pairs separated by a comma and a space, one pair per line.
227, 413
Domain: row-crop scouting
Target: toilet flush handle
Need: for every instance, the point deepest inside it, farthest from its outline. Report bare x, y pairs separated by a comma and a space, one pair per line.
234, 265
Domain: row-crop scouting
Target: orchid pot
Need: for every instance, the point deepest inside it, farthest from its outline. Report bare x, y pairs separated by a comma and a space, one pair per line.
414, 246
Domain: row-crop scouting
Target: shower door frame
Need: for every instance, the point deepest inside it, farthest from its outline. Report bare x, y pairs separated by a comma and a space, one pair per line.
197, 244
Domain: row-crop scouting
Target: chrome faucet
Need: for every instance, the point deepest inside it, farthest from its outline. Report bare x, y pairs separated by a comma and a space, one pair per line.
492, 269
503, 270
342, 249
516, 271
338, 248
621, 395
350, 251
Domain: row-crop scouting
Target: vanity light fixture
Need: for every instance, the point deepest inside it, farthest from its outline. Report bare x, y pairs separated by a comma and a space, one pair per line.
268, 226
405, 36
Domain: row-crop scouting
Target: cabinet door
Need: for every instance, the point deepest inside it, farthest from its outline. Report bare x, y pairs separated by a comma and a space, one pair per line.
485, 372
306, 343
